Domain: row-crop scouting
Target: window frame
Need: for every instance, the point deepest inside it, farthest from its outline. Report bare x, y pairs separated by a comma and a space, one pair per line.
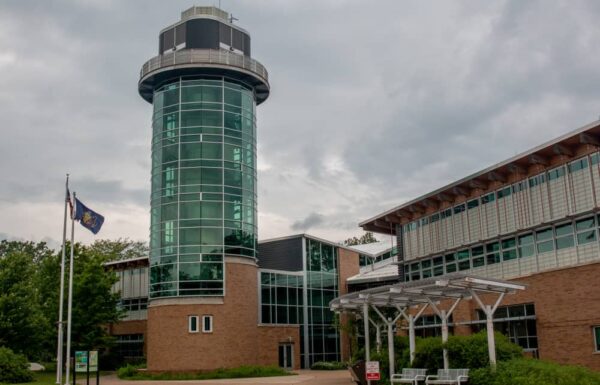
190, 319
596, 329
211, 323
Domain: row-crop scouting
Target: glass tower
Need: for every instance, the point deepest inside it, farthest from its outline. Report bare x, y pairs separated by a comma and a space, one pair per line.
204, 87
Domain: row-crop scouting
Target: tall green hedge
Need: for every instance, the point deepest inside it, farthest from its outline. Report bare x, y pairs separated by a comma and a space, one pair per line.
463, 351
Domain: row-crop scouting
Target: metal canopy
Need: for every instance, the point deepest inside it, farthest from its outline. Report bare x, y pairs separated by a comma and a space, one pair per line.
425, 293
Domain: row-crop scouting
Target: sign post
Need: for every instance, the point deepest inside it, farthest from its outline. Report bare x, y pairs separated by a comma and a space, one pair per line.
86, 362
372, 370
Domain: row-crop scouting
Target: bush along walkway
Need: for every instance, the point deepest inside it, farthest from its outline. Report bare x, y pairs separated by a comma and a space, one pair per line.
534, 372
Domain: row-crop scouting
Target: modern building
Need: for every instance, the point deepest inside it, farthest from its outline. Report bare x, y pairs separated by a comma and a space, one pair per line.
531, 218
210, 295
204, 87
297, 277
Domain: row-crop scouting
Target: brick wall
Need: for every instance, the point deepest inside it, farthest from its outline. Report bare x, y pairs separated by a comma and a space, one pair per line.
348, 266
269, 338
567, 306
233, 342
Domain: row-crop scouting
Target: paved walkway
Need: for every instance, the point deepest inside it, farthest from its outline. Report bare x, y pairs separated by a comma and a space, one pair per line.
304, 377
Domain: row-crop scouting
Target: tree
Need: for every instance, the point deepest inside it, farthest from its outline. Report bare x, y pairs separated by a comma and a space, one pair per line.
367, 237
119, 249
29, 292
22, 322
94, 304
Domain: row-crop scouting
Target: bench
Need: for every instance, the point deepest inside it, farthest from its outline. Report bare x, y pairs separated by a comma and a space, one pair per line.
448, 376
409, 376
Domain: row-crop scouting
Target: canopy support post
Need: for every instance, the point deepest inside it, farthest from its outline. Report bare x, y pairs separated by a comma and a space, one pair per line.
390, 330
444, 316
489, 311
366, 330
445, 338
377, 335
411, 337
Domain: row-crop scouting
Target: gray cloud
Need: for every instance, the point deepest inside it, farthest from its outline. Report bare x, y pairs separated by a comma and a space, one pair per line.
367, 110
312, 220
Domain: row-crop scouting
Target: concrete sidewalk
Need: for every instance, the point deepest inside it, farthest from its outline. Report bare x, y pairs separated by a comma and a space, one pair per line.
304, 377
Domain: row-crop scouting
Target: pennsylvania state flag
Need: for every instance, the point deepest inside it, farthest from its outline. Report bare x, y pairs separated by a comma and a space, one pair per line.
89, 219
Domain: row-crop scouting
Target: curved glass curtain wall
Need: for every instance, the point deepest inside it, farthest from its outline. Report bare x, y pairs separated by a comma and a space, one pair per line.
203, 184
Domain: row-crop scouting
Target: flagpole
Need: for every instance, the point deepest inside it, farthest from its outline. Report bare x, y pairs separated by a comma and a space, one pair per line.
59, 349
70, 304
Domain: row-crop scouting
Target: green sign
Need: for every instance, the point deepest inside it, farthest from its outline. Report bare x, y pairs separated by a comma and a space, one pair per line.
81, 361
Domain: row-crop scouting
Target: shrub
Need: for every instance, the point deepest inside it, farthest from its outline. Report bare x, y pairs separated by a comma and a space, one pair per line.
13, 367
328, 365
463, 351
127, 371
472, 351
523, 371
428, 354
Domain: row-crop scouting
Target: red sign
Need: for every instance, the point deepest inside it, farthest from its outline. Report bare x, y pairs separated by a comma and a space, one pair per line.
372, 370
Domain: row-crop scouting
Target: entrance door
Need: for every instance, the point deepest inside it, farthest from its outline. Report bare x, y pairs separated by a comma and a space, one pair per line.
286, 357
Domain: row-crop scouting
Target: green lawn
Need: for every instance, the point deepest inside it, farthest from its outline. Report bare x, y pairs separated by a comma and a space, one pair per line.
43, 378
131, 373
49, 378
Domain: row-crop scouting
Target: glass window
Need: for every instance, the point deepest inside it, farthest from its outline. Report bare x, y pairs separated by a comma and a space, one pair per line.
597, 338
207, 324
586, 237
193, 324
478, 262
564, 242
492, 253
526, 246
584, 224
503, 193
578, 165
478, 250
564, 236
545, 247
459, 209
507, 255
556, 173
562, 230
472, 204
488, 198
544, 241
508, 243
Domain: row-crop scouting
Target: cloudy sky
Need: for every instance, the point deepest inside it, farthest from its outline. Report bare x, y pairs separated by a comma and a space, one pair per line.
372, 103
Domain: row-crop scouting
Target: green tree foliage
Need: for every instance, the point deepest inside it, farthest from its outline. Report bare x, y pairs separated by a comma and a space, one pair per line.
29, 295
95, 304
463, 351
367, 237
14, 368
119, 249
22, 322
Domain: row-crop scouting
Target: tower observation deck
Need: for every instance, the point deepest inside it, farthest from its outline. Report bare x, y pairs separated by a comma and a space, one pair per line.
204, 87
